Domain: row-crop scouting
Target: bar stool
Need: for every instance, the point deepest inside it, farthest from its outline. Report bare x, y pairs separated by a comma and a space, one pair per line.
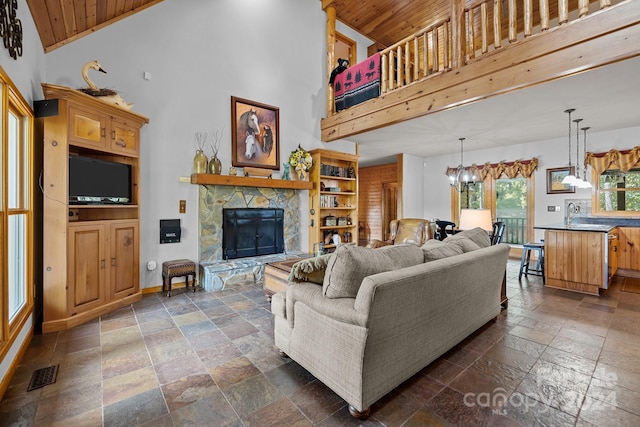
525, 263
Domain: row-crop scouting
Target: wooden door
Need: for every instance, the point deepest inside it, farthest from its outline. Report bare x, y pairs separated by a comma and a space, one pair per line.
629, 248
86, 267
87, 128
124, 138
389, 207
124, 260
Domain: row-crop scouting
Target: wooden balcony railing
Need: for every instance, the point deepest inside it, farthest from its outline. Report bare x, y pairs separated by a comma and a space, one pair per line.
524, 19
481, 28
416, 57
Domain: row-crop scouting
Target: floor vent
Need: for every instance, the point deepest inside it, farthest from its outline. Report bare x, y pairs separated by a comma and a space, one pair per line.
43, 377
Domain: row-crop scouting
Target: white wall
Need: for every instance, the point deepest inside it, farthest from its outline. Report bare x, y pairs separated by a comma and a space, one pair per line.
550, 153
26, 73
413, 190
199, 56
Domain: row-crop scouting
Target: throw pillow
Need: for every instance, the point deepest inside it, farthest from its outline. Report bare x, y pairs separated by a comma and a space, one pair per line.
465, 244
479, 236
351, 264
435, 249
309, 269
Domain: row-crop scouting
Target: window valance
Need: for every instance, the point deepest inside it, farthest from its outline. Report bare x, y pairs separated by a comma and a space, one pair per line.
525, 168
613, 159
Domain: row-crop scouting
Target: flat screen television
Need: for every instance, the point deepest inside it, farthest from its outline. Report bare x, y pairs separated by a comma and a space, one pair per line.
95, 181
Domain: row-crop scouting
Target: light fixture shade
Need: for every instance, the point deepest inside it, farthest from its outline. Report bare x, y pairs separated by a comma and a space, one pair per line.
570, 180
472, 218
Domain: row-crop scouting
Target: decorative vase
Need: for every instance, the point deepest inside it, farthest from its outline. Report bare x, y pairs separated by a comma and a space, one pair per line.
215, 165
200, 162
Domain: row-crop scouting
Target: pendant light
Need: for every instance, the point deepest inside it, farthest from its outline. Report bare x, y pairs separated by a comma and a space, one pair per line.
459, 175
569, 179
586, 183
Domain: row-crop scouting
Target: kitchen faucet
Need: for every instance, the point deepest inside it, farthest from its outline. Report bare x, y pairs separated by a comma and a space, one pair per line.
572, 209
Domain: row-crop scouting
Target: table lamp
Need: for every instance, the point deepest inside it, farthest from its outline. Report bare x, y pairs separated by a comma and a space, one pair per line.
472, 218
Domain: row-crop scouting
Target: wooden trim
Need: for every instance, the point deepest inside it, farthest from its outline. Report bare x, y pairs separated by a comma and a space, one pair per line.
15, 363
400, 172
85, 316
244, 181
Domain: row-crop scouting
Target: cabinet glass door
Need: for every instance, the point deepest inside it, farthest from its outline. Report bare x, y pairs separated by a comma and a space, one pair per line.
87, 128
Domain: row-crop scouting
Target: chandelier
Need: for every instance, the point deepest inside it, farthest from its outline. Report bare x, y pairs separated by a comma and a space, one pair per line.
461, 177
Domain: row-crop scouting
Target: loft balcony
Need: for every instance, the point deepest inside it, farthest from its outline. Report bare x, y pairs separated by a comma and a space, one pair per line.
488, 49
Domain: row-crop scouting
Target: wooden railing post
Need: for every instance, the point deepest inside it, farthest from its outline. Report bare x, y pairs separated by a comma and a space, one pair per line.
457, 33
528, 17
331, 44
583, 8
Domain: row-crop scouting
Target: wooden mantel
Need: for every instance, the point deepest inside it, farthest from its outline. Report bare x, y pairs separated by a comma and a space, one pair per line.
245, 181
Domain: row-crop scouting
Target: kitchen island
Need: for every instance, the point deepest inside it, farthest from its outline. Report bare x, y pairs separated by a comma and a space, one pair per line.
581, 257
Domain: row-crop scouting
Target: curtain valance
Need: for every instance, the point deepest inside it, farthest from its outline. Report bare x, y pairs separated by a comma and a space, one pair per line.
525, 168
613, 159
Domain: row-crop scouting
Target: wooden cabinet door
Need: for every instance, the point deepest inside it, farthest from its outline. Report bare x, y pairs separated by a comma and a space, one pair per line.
124, 260
87, 273
87, 128
629, 248
124, 138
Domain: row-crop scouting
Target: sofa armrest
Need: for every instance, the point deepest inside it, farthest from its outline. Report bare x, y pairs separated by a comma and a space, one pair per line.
375, 243
340, 309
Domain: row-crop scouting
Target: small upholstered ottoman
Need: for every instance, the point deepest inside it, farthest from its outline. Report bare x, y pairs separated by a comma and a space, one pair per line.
178, 268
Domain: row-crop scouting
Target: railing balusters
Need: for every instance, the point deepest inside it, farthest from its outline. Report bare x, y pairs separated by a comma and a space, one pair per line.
471, 51
484, 23
497, 23
435, 49
513, 21
416, 59
528, 18
407, 64
583, 8
544, 15
425, 55
563, 11
445, 46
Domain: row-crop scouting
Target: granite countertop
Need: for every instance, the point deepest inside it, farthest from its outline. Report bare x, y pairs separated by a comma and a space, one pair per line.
601, 228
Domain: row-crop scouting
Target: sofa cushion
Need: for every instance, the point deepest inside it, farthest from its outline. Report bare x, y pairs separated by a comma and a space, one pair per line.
465, 244
349, 264
309, 269
479, 236
435, 249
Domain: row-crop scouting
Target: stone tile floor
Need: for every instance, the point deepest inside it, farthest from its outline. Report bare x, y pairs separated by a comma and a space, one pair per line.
207, 359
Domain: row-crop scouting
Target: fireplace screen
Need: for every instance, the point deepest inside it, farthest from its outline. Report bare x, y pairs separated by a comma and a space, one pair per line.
251, 232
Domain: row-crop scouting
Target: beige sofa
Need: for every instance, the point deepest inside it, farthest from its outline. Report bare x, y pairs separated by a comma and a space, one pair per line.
366, 330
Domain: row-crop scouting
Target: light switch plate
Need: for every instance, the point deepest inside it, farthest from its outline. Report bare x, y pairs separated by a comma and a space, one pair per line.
183, 206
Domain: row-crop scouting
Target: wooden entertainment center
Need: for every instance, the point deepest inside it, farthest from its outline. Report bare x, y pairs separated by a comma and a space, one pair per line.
90, 251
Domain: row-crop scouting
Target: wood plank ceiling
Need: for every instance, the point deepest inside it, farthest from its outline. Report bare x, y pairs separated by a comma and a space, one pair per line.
60, 22
388, 21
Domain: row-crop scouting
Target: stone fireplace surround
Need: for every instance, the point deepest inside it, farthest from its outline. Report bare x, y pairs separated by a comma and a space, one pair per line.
215, 272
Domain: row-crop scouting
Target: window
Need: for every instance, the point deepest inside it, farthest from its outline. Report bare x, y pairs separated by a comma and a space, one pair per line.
617, 175
16, 228
619, 191
507, 188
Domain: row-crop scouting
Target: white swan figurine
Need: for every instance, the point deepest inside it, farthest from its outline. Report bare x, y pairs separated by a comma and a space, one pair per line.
107, 95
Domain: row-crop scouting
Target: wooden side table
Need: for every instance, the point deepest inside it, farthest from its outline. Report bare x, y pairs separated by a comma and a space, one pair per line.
178, 268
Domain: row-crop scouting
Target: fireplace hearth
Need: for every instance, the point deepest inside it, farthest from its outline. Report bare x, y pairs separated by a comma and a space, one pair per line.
250, 232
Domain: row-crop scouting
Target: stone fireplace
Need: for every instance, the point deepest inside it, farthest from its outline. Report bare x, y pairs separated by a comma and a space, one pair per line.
215, 271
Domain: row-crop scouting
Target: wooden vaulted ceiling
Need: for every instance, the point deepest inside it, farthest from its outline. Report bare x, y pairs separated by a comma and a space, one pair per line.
60, 22
388, 21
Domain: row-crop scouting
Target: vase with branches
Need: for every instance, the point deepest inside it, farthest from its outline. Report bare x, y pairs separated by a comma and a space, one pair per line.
215, 165
200, 159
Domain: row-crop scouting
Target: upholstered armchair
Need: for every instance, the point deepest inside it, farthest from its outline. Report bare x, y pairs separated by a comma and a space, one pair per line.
406, 230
